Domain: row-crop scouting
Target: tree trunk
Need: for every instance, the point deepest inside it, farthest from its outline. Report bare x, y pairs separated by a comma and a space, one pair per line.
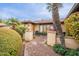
57, 23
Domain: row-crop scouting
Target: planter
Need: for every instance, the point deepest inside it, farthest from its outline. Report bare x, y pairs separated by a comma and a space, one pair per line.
69, 42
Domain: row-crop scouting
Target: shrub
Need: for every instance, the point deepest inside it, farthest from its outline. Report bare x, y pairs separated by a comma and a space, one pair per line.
58, 48
70, 52
10, 42
20, 29
72, 25
76, 30
69, 23
4, 54
40, 33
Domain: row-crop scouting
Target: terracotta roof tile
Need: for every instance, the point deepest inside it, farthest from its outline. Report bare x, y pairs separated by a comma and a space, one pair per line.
40, 21
2, 24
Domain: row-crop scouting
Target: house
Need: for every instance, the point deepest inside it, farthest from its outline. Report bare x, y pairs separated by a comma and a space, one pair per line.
40, 25
44, 25
75, 8
2, 25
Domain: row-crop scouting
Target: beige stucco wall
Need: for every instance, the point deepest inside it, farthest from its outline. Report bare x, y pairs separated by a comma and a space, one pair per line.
36, 27
28, 36
42, 28
29, 27
70, 43
51, 37
63, 28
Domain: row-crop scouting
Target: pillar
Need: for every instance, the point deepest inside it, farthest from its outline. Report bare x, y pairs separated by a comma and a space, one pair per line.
51, 37
28, 36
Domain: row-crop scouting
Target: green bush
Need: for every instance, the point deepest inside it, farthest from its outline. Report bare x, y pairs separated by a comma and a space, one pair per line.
4, 54
72, 25
58, 48
40, 33
69, 23
76, 30
10, 42
20, 29
70, 52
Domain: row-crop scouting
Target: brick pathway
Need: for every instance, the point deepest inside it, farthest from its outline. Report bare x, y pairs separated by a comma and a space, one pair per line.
38, 48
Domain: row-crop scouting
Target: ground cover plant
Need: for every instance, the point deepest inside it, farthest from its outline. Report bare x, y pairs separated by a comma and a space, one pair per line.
58, 48
40, 33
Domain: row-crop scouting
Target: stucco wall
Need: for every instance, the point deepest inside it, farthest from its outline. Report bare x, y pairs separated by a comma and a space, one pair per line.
36, 27
70, 43
63, 28
41, 28
29, 27
51, 37
28, 36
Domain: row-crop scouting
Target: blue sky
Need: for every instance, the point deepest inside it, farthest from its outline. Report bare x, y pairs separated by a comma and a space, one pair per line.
31, 11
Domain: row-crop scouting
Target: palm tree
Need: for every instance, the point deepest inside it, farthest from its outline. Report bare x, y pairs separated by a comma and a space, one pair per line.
53, 7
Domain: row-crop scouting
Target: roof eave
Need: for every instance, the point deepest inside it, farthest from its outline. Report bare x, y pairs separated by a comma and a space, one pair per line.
72, 9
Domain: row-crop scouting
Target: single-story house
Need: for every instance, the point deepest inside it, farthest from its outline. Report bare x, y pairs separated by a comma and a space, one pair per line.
40, 25
2, 25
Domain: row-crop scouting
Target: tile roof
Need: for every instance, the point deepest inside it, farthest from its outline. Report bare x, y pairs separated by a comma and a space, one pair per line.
2, 24
43, 21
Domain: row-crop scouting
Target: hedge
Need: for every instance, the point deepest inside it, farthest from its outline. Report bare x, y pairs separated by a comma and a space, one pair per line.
10, 42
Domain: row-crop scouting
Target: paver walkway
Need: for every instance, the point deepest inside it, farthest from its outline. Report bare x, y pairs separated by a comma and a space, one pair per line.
38, 48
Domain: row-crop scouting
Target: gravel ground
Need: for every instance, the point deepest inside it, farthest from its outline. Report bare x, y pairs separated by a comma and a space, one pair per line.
37, 48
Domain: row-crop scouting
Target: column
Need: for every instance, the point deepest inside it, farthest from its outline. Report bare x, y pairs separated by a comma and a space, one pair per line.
51, 37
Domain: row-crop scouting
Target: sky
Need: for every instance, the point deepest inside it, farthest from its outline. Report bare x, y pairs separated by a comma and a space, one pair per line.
30, 11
